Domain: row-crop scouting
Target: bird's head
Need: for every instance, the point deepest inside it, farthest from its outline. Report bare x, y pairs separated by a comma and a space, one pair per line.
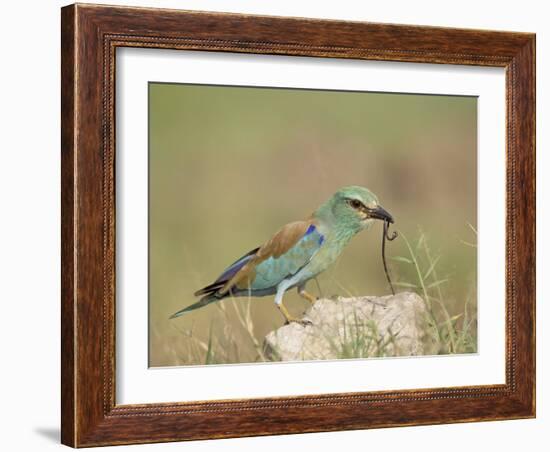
354, 208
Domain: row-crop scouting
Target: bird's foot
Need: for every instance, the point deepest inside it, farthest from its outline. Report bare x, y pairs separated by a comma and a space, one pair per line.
290, 318
303, 322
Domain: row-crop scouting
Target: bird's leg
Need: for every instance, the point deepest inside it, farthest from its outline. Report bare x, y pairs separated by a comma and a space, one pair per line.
304, 294
319, 288
279, 303
290, 318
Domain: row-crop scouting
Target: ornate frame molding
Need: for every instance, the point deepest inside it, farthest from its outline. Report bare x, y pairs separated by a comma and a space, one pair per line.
90, 37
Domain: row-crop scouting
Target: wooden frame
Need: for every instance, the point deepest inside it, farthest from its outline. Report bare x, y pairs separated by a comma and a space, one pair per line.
90, 35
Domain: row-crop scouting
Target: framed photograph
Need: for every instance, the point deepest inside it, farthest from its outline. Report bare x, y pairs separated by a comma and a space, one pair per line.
282, 225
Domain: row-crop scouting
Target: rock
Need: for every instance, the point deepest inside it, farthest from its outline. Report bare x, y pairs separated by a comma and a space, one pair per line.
358, 327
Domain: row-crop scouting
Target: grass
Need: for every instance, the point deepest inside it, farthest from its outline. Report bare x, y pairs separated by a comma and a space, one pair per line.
232, 337
361, 340
226, 344
448, 334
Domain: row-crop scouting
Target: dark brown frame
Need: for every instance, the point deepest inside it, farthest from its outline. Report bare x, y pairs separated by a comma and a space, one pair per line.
90, 35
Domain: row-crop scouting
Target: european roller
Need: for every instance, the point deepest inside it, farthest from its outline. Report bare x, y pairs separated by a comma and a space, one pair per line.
297, 252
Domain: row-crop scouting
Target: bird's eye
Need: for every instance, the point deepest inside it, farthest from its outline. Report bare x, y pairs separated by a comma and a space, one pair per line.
355, 204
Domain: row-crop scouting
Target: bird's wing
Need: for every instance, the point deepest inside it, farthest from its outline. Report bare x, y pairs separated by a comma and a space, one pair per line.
283, 255
228, 273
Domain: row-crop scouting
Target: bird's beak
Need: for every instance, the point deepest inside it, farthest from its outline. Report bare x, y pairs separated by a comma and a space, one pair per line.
380, 214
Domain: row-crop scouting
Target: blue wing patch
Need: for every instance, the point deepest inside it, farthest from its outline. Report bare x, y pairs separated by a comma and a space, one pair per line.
232, 270
312, 229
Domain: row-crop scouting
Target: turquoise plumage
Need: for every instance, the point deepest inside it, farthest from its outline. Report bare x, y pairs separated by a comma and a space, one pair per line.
298, 252
273, 270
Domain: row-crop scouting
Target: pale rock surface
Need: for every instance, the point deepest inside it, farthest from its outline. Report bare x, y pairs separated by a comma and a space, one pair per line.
358, 327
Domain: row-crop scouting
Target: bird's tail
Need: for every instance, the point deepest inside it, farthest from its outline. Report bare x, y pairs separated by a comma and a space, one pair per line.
206, 300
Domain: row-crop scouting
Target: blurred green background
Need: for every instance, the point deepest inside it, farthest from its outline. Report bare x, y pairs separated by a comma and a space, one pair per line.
230, 165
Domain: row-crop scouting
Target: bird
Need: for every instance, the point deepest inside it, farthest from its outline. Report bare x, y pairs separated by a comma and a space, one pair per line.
296, 253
